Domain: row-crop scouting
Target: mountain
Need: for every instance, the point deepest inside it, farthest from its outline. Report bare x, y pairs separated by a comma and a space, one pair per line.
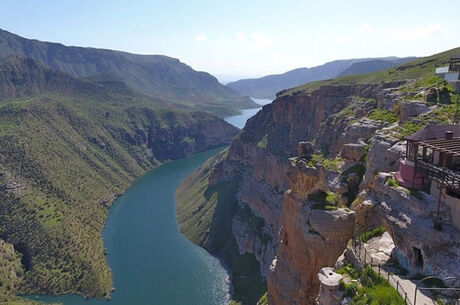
153, 75
68, 147
295, 214
268, 86
374, 65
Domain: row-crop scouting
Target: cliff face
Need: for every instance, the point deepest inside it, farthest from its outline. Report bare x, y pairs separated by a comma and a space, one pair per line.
330, 117
310, 238
349, 134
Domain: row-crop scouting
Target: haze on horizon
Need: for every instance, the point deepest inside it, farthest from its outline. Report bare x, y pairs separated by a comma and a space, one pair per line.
240, 38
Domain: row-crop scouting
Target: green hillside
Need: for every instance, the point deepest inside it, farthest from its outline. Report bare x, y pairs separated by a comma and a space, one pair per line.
418, 69
67, 149
153, 75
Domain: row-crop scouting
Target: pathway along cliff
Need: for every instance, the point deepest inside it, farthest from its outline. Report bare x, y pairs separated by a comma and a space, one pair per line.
152, 262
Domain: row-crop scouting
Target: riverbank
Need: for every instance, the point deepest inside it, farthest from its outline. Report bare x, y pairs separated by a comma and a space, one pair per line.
151, 260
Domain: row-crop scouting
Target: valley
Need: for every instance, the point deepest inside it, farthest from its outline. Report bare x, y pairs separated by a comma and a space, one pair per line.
135, 179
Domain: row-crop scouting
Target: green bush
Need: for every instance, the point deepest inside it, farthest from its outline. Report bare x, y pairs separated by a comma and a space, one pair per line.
393, 182
368, 235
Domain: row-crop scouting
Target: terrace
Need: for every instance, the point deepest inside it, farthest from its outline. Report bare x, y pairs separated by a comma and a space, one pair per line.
432, 163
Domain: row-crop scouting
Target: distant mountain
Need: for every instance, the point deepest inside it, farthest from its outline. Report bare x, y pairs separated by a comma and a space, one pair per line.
374, 65
154, 75
268, 86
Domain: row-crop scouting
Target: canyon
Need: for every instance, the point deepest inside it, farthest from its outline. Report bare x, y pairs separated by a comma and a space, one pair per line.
311, 166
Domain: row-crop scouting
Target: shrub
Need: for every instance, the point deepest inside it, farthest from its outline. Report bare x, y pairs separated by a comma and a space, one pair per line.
393, 182
368, 235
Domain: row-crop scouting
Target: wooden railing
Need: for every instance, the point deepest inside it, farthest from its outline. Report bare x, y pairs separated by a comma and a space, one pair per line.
441, 174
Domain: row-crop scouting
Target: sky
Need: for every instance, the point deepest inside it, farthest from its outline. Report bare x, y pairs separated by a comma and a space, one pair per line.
233, 39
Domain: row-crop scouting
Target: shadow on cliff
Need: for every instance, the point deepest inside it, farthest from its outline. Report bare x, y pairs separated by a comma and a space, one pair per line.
248, 285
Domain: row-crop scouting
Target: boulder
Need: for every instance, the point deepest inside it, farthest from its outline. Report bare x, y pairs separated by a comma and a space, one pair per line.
410, 109
353, 151
329, 291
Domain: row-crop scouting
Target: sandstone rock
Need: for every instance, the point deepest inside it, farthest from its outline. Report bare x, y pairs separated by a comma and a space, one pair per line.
410, 109
329, 292
410, 223
353, 151
389, 97
309, 240
364, 129
383, 156
305, 149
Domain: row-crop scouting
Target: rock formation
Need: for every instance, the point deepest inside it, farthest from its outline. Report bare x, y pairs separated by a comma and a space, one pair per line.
310, 238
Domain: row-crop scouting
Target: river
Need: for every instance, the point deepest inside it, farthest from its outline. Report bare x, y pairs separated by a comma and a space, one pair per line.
239, 120
152, 262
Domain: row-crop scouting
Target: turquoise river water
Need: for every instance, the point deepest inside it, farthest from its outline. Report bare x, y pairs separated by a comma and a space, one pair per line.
152, 262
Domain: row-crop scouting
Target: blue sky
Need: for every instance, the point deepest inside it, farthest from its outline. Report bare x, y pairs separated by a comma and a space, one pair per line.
243, 38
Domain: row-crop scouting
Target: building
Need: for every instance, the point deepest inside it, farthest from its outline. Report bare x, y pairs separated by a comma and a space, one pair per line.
451, 73
432, 163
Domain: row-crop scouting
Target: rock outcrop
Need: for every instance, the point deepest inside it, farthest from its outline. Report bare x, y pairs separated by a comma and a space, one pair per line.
329, 292
310, 238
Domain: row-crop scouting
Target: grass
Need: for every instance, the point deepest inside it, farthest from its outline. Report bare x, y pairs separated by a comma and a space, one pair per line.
393, 182
329, 164
324, 200
263, 300
383, 116
350, 270
421, 69
374, 290
73, 154
368, 235
263, 143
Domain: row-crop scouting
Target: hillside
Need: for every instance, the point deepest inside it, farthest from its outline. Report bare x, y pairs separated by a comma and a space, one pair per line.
301, 204
157, 76
417, 69
268, 86
374, 65
68, 148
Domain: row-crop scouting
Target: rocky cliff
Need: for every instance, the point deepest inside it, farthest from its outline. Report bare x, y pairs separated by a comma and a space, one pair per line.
343, 133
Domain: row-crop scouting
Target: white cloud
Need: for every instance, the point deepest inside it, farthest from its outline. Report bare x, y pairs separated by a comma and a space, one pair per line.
201, 37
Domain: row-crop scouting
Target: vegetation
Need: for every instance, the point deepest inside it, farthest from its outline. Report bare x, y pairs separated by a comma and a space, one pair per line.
329, 164
393, 182
156, 76
368, 235
69, 150
383, 116
350, 270
263, 142
372, 289
263, 300
205, 215
325, 200
418, 69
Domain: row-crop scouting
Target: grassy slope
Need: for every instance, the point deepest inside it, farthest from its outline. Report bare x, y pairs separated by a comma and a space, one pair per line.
154, 75
205, 216
420, 68
68, 153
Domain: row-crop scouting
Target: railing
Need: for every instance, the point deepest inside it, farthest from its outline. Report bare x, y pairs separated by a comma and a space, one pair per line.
437, 289
441, 174
366, 260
